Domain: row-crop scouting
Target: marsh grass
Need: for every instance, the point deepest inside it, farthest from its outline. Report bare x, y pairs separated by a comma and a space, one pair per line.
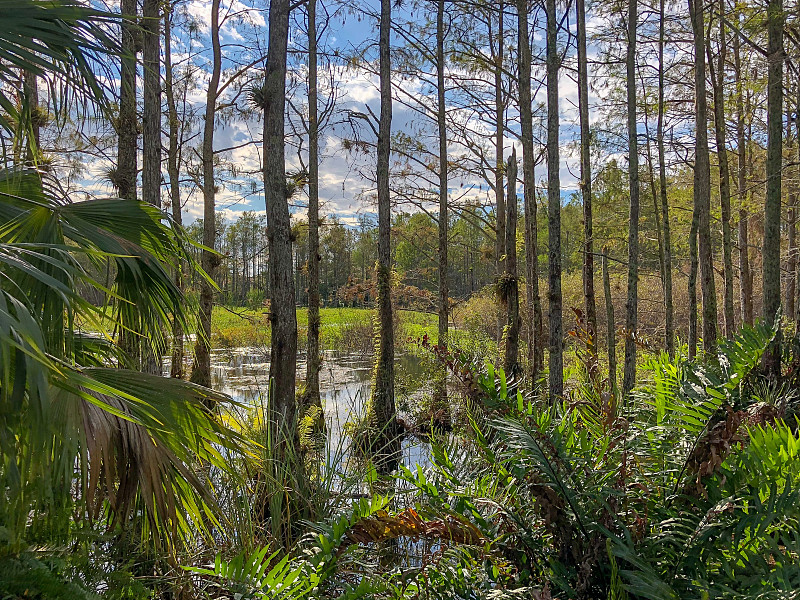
343, 330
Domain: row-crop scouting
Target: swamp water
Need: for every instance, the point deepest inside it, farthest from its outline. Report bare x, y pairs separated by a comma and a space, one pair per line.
345, 386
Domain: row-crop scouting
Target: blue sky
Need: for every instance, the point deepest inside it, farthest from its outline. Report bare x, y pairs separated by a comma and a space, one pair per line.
344, 188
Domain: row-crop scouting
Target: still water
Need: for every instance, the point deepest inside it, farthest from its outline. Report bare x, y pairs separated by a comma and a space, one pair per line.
345, 386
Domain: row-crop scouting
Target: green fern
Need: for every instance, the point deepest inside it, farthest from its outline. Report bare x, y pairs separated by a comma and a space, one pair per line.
256, 575
25, 576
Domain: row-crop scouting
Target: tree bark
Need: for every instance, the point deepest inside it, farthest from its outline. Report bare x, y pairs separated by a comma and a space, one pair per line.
151, 137
655, 195
201, 371
283, 318
791, 227
745, 278
511, 285
151, 121
702, 180
30, 86
772, 200
692, 287
499, 191
611, 336
669, 327
127, 156
796, 314
718, 84
314, 360
535, 344
173, 172
383, 405
586, 178
441, 107
631, 306
556, 366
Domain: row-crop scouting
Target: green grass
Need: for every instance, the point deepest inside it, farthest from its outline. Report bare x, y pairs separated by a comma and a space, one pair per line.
343, 329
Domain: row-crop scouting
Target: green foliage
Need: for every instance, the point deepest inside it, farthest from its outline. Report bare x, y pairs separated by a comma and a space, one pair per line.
676, 497
26, 576
256, 575
62, 36
81, 440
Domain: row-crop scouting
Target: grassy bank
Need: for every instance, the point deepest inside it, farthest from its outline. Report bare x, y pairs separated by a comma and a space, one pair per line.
342, 329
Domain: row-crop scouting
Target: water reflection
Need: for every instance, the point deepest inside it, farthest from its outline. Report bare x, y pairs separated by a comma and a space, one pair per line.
345, 385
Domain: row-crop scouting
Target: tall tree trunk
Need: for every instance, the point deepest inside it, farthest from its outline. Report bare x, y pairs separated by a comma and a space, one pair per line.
383, 405
151, 121
313, 362
511, 286
791, 225
669, 327
127, 156
535, 344
692, 286
796, 314
654, 193
631, 306
441, 107
745, 279
201, 371
556, 366
718, 83
611, 336
283, 318
30, 85
499, 192
586, 178
173, 171
151, 137
772, 200
702, 180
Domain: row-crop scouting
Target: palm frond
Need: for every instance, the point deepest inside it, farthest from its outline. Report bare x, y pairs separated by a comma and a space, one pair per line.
135, 439
64, 41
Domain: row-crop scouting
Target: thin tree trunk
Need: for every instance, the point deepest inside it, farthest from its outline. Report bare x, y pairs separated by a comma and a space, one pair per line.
654, 194
586, 178
796, 314
669, 327
151, 121
791, 226
631, 306
611, 336
499, 191
127, 159
556, 366
535, 344
283, 318
772, 200
702, 180
151, 137
444, 296
173, 171
511, 286
30, 83
692, 287
718, 84
201, 371
745, 280
383, 404
313, 362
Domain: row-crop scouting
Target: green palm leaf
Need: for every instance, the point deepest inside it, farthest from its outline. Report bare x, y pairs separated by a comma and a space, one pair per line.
64, 41
137, 440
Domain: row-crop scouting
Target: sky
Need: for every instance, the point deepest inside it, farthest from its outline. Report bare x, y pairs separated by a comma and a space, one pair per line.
344, 188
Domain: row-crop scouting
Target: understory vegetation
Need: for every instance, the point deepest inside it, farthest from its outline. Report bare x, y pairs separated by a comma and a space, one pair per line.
510, 433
